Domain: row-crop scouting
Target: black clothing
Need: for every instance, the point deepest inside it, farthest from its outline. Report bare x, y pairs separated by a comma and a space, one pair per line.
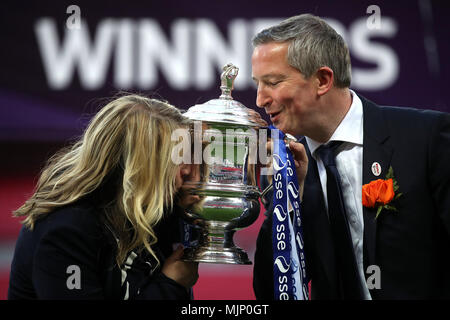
74, 244
411, 246
346, 265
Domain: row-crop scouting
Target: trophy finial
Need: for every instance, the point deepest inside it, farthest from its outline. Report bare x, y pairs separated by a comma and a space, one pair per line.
227, 77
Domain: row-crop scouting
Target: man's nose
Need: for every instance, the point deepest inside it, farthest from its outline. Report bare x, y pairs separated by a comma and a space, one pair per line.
262, 98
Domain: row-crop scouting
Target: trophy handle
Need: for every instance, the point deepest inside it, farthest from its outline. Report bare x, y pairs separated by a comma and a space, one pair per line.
229, 74
264, 192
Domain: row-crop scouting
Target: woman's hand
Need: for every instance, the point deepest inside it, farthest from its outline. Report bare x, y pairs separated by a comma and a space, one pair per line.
183, 272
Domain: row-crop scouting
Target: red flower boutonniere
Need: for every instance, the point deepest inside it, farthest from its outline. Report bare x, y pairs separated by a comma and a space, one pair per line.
380, 193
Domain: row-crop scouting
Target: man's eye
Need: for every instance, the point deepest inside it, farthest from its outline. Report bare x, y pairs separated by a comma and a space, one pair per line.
273, 83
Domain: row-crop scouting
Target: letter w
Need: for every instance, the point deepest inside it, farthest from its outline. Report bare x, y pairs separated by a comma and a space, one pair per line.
60, 60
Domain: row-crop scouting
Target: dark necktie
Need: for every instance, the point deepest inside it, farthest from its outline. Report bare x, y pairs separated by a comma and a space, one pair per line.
349, 282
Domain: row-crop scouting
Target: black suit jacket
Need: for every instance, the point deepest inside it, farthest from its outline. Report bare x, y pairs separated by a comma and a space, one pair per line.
411, 247
76, 235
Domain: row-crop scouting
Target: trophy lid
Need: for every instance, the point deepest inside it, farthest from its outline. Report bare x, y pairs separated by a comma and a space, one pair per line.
225, 109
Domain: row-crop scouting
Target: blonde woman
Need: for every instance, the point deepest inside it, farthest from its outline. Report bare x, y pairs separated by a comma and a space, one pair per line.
102, 221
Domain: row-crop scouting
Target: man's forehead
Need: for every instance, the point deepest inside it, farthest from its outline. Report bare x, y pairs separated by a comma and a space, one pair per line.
270, 49
267, 59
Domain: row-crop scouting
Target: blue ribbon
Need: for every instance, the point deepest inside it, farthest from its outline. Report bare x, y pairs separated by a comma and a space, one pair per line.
289, 267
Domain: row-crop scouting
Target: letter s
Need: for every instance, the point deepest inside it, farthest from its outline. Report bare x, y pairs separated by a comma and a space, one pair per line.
384, 57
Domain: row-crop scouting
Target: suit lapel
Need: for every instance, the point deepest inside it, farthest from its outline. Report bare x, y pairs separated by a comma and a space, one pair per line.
376, 149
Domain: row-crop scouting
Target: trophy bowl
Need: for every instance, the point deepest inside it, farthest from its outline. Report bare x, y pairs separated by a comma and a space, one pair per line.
226, 138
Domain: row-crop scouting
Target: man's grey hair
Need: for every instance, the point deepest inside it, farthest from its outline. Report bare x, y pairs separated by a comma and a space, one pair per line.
312, 44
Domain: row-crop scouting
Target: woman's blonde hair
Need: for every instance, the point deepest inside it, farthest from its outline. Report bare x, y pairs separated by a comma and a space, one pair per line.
128, 139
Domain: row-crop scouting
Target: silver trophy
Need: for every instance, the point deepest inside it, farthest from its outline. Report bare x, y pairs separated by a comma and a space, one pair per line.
227, 137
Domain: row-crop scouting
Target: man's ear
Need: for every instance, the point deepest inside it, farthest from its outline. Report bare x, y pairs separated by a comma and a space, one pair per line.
325, 77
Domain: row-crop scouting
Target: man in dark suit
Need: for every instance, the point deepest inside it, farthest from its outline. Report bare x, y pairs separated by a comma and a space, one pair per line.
303, 73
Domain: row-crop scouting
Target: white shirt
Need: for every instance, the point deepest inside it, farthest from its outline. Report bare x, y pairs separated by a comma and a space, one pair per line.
349, 164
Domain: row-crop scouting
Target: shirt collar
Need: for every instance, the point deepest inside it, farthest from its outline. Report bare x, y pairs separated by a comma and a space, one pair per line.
349, 130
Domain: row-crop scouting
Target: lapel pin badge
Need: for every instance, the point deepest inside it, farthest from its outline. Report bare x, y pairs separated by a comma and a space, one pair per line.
376, 169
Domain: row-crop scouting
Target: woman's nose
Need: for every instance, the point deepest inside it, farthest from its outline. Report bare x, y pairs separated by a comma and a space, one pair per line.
185, 169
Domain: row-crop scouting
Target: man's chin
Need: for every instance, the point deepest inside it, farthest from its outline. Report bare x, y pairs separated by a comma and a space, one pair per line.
279, 126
